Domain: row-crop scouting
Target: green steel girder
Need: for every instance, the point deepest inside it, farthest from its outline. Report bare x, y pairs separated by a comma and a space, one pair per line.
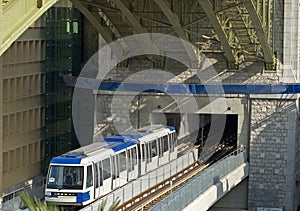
95, 21
172, 17
224, 36
131, 18
137, 27
261, 15
177, 27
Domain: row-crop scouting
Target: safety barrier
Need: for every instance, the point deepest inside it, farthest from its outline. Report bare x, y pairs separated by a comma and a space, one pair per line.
180, 198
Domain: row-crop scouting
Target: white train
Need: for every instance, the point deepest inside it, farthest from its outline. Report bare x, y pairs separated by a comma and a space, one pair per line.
81, 176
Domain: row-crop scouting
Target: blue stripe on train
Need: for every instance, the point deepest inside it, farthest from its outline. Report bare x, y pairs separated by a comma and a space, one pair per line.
171, 128
82, 197
68, 159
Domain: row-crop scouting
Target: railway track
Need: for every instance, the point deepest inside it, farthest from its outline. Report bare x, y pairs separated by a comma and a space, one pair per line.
153, 195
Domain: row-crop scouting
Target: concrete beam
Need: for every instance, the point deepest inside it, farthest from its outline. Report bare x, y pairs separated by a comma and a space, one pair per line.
219, 30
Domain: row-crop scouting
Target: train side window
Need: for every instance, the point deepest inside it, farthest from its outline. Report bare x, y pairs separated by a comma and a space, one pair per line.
89, 178
165, 143
154, 148
143, 152
171, 143
100, 174
122, 161
129, 160
160, 147
116, 169
106, 168
148, 153
96, 167
134, 156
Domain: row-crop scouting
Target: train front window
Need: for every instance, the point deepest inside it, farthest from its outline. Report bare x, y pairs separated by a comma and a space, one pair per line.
65, 177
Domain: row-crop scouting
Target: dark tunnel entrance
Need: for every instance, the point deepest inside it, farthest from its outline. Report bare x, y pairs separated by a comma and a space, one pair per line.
194, 130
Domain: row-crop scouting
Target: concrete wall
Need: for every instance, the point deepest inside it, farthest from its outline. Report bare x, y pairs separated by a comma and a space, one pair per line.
22, 112
272, 153
236, 199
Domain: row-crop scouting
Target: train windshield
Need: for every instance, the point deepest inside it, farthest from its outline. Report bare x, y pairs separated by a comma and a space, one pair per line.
65, 177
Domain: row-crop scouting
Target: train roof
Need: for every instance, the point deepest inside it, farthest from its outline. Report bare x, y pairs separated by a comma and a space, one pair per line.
112, 145
97, 150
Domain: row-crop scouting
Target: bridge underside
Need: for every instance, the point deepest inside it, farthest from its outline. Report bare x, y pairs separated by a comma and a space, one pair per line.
241, 30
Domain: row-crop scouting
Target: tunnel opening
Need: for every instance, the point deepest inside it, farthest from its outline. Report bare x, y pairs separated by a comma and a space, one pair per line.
194, 131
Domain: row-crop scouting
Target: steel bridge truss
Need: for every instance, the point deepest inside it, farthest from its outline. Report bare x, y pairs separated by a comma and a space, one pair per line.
242, 30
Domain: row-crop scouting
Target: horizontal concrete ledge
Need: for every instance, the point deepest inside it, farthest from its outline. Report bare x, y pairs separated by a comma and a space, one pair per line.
274, 96
219, 189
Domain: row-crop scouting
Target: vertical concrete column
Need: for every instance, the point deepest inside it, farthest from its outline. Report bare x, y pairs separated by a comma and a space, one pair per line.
1, 25
1, 130
272, 153
290, 41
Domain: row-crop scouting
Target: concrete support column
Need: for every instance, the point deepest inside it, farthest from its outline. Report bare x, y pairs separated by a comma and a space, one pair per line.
290, 41
1, 25
272, 153
1, 129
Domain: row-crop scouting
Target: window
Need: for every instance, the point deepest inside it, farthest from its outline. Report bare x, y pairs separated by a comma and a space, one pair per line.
116, 167
153, 148
172, 142
130, 166
106, 168
134, 156
75, 27
144, 152
67, 177
97, 179
160, 144
148, 152
165, 143
89, 177
122, 161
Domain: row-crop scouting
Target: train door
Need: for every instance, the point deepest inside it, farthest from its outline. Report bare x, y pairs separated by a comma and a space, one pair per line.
164, 154
143, 158
173, 146
152, 154
115, 172
97, 180
132, 167
89, 183
106, 176
122, 168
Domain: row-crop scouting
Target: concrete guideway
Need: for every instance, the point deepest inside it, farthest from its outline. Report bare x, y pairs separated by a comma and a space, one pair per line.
218, 190
205, 189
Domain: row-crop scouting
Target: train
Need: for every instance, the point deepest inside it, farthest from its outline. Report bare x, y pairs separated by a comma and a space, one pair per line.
81, 176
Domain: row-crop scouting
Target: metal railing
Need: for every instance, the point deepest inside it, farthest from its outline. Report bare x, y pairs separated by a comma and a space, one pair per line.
180, 198
12, 201
145, 182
